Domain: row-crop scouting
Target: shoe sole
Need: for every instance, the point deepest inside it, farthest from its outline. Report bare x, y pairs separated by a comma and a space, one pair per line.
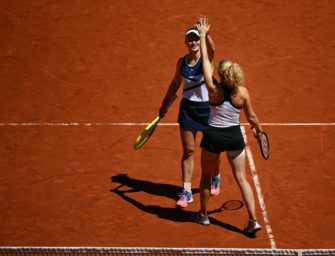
184, 206
204, 224
199, 222
215, 194
252, 232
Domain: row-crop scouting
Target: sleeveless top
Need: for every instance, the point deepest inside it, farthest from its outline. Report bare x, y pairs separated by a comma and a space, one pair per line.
224, 114
194, 88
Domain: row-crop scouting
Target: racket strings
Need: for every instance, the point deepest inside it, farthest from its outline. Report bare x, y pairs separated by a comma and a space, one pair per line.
233, 205
144, 136
265, 146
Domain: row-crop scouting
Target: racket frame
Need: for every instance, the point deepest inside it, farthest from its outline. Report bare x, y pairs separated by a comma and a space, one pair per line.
260, 142
152, 126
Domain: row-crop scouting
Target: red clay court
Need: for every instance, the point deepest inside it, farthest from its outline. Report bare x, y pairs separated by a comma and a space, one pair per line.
80, 79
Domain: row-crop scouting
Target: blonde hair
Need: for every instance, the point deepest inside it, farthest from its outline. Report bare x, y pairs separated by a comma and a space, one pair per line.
230, 73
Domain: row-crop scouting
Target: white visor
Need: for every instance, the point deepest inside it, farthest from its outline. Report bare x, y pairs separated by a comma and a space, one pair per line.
192, 30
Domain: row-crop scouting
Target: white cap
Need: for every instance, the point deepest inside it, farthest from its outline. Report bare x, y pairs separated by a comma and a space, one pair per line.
190, 31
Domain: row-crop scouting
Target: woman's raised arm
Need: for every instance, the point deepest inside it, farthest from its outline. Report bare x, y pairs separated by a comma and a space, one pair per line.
203, 28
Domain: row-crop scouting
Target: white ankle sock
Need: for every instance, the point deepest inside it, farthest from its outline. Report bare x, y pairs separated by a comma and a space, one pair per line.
187, 186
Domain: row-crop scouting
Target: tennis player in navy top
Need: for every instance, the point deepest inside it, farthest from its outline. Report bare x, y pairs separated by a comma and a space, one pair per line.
194, 108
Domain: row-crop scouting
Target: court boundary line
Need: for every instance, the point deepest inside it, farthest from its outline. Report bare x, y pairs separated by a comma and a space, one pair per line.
258, 190
140, 124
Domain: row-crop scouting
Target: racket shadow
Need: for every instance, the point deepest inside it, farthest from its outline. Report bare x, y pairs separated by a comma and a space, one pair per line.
158, 189
230, 205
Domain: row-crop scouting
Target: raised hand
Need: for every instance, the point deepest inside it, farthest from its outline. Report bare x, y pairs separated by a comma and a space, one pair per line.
202, 25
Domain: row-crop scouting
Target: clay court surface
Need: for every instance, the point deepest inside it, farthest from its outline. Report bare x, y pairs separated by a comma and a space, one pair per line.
105, 65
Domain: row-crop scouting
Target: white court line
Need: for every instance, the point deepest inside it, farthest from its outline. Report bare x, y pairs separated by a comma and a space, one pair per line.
268, 124
259, 191
143, 124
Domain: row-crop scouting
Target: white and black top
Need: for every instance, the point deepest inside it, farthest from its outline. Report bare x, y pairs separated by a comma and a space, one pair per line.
225, 113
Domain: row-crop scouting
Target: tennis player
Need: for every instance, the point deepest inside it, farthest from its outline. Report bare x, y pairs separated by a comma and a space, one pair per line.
227, 99
193, 110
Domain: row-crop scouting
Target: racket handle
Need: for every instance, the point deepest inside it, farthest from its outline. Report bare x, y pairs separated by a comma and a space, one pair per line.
254, 132
163, 109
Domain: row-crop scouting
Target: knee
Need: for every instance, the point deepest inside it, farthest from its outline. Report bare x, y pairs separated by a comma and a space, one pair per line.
188, 151
241, 179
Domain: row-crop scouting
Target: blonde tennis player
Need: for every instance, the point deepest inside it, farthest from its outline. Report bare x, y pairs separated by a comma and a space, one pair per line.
227, 99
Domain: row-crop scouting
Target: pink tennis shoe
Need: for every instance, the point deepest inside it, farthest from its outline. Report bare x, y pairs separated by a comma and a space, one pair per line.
185, 198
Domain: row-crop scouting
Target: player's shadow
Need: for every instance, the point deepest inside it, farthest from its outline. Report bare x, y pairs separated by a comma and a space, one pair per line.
172, 214
159, 189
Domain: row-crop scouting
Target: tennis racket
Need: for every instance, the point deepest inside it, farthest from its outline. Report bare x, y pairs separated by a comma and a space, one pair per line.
264, 145
149, 130
263, 142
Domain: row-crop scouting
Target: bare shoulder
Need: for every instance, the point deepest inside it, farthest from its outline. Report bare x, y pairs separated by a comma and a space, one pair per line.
178, 64
244, 91
179, 61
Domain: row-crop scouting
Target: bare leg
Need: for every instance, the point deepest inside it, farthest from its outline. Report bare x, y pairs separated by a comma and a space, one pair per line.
187, 161
217, 168
209, 163
237, 162
216, 179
